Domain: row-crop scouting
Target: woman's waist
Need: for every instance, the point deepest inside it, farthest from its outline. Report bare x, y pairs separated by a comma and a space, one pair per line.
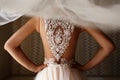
62, 61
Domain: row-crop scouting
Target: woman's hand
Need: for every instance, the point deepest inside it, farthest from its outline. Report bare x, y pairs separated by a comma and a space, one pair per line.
80, 67
41, 67
76, 65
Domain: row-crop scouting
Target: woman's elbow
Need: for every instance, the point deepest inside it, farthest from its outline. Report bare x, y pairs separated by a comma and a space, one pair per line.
8, 46
110, 47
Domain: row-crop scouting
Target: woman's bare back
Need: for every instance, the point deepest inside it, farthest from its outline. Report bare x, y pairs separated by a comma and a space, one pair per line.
69, 51
13, 44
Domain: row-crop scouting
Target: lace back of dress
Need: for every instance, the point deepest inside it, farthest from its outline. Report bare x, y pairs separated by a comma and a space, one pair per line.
58, 35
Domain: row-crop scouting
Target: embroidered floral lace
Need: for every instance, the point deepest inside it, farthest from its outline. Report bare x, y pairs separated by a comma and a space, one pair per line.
58, 35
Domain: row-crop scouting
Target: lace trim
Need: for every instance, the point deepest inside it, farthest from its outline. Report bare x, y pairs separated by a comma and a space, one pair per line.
71, 63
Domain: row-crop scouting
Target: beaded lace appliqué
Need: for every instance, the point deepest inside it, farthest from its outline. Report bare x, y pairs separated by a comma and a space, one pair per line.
58, 35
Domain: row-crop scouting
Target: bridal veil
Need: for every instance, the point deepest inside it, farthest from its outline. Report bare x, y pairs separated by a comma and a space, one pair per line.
80, 12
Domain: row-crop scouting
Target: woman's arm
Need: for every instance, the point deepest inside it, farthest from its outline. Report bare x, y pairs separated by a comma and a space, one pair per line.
13, 45
106, 44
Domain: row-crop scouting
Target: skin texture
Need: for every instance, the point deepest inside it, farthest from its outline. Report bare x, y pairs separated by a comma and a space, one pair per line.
12, 45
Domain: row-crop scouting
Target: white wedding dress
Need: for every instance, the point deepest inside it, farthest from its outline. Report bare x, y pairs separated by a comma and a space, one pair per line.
58, 36
61, 71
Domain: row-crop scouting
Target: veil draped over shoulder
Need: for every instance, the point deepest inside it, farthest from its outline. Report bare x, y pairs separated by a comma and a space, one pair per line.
80, 12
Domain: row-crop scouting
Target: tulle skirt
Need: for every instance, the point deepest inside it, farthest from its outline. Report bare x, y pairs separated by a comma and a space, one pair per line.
56, 71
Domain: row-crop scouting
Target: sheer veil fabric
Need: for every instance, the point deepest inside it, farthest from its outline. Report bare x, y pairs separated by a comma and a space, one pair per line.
79, 12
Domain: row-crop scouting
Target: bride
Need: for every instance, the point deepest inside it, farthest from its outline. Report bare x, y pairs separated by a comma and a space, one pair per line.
59, 39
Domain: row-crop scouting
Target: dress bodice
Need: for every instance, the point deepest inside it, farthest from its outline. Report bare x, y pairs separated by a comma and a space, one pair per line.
58, 34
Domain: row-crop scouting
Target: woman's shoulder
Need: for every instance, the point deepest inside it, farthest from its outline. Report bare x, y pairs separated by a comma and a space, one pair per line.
36, 23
